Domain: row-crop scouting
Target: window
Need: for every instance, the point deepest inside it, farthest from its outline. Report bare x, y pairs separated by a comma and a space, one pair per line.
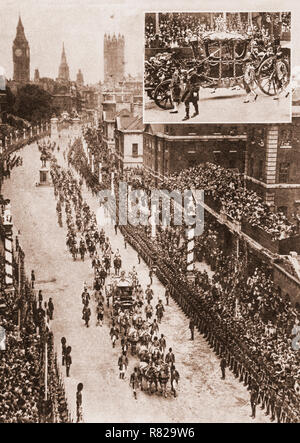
260, 169
135, 149
217, 157
232, 159
283, 175
282, 209
285, 137
251, 167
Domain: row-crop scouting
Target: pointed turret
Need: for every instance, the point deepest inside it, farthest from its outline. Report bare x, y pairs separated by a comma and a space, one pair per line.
63, 72
20, 35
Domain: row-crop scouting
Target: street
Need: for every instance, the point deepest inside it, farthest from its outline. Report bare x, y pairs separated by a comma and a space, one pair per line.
202, 395
225, 106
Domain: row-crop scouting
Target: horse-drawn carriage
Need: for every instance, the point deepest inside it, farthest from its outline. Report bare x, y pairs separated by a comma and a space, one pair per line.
122, 294
222, 65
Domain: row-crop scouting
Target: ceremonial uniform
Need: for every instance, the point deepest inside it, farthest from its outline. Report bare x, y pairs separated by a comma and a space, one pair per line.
191, 95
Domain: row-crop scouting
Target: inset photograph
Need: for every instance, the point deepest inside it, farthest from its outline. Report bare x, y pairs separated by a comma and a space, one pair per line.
227, 67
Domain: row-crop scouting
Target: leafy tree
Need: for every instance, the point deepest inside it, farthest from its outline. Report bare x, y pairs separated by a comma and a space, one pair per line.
33, 103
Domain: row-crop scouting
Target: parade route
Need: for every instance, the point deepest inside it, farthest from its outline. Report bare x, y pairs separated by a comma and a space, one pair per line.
202, 395
225, 106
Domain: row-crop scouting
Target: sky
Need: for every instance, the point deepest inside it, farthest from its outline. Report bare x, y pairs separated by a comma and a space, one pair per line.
81, 25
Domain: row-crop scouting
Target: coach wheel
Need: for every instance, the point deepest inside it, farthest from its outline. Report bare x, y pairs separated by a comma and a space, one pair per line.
162, 95
270, 73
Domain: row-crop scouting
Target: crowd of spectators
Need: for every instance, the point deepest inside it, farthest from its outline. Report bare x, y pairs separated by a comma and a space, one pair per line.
22, 362
180, 29
226, 191
226, 187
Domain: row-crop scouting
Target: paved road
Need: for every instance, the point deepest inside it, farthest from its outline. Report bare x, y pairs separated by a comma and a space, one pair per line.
203, 396
225, 106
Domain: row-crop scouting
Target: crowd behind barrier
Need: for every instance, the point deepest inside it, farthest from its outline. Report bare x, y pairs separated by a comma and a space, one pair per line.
22, 363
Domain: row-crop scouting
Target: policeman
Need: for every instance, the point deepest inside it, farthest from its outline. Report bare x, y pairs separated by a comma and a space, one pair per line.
63, 350
68, 360
223, 366
191, 94
175, 90
192, 328
170, 358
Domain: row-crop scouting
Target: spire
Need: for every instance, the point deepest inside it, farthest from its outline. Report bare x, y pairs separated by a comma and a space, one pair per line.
63, 72
20, 24
63, 54
20, 30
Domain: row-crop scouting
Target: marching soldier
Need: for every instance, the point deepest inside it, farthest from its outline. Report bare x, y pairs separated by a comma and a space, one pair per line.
149, 294
86, 315
162, 345
50, 308
134, 381
32, 279
167, 295
174, 379
63, 350
100, 312
148, 311
223, 365
192, 328
122, 363
79, 402
170, 358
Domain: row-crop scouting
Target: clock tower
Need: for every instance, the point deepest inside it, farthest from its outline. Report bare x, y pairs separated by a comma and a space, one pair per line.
21, 56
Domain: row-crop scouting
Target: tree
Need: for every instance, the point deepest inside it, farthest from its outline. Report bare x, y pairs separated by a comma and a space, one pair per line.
33, 103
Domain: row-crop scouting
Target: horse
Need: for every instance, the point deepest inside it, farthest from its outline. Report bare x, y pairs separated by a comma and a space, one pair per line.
163, 377
133, 339
151, 376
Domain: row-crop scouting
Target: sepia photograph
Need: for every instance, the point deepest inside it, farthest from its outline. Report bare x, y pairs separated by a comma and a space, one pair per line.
227, 67
149, 214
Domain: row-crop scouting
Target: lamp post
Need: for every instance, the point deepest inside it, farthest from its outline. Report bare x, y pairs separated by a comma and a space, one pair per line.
112, 183
100, 172
92, 164
190, 268
153, 221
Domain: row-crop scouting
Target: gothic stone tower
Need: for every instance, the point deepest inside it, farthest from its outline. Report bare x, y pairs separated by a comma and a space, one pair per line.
79, 78
63, 72
114, 58
21, 56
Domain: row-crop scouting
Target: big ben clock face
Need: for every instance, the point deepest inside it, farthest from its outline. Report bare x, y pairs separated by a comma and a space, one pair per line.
18, 52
